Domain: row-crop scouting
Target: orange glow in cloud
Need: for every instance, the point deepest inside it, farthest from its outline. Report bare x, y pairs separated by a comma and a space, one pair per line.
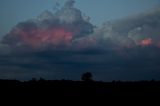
39, 37
146, 42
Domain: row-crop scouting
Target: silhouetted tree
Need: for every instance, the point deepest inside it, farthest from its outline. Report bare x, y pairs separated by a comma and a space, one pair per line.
87, 76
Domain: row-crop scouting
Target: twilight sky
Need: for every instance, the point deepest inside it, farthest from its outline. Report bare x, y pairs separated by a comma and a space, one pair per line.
14, 11
61, 39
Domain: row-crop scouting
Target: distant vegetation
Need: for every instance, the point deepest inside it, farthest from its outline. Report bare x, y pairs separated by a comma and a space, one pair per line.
88, 87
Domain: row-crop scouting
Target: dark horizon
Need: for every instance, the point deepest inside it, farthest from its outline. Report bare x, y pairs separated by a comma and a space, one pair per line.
52, 89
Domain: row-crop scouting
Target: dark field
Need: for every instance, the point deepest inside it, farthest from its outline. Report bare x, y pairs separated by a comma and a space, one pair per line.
66, 88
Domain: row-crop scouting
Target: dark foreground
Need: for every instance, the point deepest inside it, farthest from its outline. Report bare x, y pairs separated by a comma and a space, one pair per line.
63, 88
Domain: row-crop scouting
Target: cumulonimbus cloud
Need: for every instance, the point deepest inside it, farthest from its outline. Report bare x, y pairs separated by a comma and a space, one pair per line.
50, 29
67, 28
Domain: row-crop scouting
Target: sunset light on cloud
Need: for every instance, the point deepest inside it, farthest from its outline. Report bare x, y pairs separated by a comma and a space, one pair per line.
146, 42
40, 37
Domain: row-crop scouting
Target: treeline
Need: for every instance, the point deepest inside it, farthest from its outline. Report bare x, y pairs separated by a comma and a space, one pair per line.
54, 88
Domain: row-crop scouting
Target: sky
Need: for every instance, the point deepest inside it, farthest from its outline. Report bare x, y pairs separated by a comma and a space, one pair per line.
16, 11
62, 39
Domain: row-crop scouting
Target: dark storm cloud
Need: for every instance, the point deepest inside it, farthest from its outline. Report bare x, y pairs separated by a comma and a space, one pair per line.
140, 64
4, 49
125, 49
